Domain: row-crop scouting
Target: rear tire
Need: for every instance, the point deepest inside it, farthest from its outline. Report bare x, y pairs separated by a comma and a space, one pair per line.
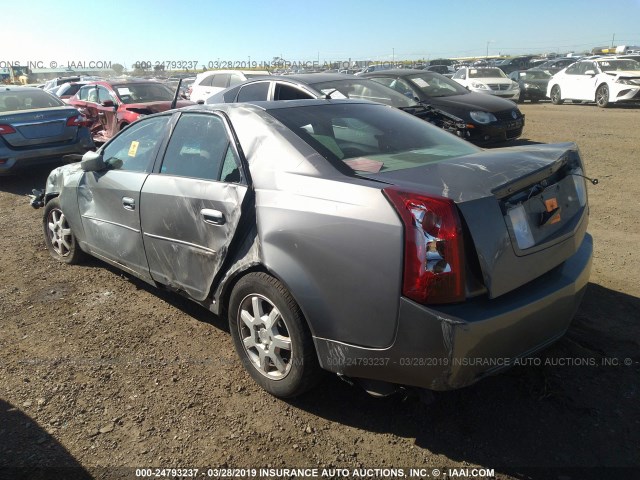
58, 236
602, 96
556, 95
271, 336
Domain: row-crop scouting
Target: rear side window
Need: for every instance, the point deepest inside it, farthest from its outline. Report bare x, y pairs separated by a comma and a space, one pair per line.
200, 148
284, 91
221, 80
206, 81
254, 92
13, 100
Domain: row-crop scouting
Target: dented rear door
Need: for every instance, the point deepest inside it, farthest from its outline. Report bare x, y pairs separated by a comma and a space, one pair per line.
191, 204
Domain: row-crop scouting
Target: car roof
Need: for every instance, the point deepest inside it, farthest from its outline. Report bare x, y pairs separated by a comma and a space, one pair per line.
20, 88
313, 78
402, 72
276, 105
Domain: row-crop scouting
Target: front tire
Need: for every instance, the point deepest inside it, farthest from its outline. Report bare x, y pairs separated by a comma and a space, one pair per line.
271, 336
602, 96
556, 95
58, 236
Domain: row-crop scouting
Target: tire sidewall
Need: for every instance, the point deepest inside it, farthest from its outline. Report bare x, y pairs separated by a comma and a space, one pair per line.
74, 252
264, 285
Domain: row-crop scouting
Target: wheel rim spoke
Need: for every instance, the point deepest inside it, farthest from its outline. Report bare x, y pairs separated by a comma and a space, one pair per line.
265, 337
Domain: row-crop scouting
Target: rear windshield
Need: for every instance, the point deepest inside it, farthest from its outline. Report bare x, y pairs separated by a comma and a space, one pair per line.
371, 138
143, 93
364, 90
11, 100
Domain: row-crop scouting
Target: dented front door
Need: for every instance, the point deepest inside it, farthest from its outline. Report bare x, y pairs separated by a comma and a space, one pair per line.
109, 200
191, 206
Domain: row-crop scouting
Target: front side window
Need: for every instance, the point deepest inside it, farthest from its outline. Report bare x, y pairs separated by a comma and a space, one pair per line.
573, 69
134, 149
200, 148
104, 95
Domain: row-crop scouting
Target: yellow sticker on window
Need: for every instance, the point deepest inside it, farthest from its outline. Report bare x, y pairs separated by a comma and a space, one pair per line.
133, 149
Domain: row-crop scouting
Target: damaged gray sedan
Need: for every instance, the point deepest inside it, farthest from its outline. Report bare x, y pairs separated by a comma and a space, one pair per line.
339, 235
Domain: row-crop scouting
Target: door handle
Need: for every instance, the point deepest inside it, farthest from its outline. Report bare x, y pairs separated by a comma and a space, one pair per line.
212, 217
128, 203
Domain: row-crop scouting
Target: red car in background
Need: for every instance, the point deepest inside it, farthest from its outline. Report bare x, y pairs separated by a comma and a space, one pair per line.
112, 105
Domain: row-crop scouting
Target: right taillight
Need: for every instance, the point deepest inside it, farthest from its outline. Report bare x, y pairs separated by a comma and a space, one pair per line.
433, 247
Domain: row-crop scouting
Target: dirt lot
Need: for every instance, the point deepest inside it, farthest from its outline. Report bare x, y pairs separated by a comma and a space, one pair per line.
99, 370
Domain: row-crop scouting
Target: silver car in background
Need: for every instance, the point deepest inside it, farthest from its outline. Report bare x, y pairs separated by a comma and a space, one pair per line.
36, 127
340, 235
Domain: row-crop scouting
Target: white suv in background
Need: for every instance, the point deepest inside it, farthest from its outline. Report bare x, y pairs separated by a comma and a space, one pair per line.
603, 80
214, 81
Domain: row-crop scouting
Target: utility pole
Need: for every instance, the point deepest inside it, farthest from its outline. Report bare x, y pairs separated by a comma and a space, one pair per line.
613, 40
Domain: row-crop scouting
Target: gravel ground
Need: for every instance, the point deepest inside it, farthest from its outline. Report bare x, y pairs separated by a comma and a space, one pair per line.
98, 370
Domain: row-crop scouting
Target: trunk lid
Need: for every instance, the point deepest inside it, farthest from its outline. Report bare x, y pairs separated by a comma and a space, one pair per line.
40, 127
524, 207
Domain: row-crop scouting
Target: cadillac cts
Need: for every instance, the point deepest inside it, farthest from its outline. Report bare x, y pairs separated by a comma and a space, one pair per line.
339, 235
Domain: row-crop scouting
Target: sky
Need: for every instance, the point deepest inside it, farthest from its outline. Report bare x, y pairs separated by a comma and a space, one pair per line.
211, 31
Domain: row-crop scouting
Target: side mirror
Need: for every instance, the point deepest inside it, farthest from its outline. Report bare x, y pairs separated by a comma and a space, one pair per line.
590, 72
92, 162
108, 103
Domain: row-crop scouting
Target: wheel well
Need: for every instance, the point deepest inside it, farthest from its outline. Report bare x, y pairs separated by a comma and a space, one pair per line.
123, 125
50, 196
225, 296
598, 88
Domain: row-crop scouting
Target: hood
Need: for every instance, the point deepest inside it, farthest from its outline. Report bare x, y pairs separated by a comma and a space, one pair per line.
471, 101
153, 107
479, 175
493, 80
625, 73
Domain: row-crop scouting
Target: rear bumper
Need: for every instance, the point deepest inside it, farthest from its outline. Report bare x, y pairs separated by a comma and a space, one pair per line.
13, 160
454, 346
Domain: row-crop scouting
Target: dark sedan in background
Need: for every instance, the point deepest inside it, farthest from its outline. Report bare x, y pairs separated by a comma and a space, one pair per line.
533, 84
489, 119
112, 105
37, 127
336, 86
338, 234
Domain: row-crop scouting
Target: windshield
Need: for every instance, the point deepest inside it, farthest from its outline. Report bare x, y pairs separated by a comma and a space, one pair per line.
143, 93
370, 138
12, 100
618, 65
437, 85
486, 73
534, 74
362, 89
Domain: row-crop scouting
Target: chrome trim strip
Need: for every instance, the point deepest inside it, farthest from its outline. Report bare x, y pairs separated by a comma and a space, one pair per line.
181, 242
111, 223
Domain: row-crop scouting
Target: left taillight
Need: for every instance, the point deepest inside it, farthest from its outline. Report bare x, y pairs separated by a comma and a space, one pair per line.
77, 121
6, 129
434, 270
